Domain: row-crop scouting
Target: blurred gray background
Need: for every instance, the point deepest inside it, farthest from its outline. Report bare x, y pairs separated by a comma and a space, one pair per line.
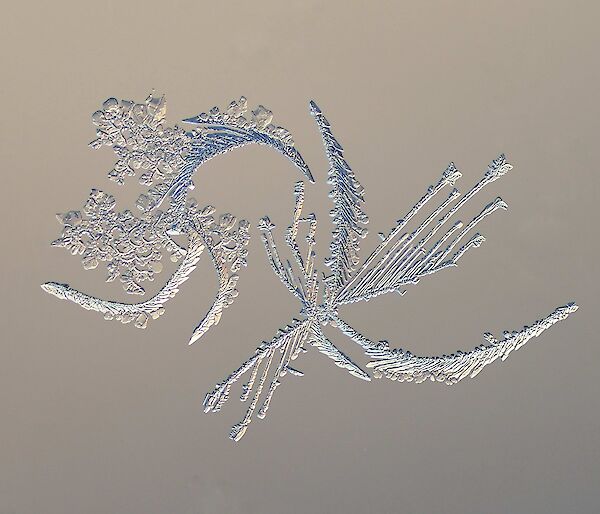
101, 418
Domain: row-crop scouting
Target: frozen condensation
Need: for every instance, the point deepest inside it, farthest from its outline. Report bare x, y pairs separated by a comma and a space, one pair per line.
402, 259
165, 159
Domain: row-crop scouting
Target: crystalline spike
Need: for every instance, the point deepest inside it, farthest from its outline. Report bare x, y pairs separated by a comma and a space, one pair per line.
347, 195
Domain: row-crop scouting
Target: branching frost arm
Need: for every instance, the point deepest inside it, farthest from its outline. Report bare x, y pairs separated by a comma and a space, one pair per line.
227, 248
326, 347
406, 258
170, 156
347, 214
289, 343
402, 365
138, 312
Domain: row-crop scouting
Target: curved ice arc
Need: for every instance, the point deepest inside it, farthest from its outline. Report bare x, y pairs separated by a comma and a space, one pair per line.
402, 365
226, 245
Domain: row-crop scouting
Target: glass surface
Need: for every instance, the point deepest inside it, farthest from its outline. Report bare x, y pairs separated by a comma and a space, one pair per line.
99, 417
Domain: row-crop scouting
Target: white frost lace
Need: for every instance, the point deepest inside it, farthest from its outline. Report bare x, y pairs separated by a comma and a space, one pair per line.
132, 247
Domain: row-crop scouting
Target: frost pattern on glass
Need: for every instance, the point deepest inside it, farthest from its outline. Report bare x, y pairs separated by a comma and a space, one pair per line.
164, 159
403, 258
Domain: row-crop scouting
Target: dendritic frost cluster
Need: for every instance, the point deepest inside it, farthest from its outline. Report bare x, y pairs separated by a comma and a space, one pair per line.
132, 247
164, 159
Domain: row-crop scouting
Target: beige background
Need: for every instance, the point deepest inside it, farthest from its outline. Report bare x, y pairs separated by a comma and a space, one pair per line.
100, 418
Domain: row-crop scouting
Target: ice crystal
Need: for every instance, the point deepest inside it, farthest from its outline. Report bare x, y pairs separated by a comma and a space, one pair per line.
165, 159
402, 259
